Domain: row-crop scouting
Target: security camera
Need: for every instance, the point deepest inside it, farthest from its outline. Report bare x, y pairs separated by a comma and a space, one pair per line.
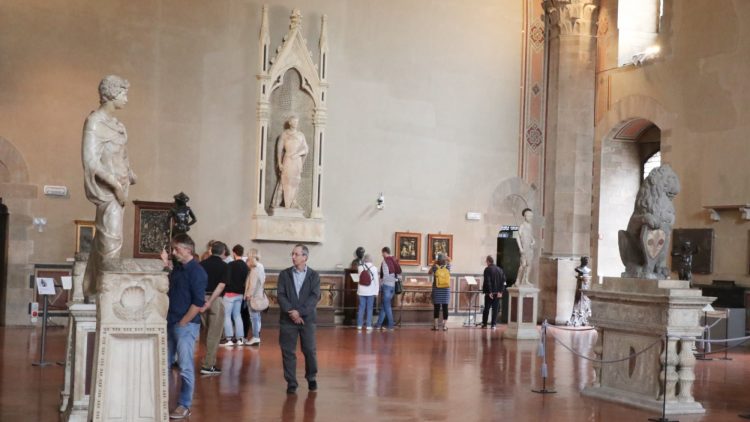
381, 201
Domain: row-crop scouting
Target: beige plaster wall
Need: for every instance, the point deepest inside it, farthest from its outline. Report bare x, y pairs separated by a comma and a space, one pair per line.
423, 106
699, 87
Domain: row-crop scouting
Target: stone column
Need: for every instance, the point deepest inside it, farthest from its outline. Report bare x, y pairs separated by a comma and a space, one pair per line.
571, 29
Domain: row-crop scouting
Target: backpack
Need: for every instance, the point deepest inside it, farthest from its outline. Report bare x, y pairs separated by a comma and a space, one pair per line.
365, 277
442, 277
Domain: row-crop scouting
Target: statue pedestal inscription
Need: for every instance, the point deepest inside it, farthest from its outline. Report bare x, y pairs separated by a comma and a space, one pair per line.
288, 229
630, 315
522, 311
130, 370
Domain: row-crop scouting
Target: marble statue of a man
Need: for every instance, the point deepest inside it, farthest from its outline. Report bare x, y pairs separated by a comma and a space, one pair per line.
291, 152
526, 244
107, 173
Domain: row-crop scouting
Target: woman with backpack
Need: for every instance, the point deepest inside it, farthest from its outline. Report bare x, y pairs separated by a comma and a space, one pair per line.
367, 290
441, 290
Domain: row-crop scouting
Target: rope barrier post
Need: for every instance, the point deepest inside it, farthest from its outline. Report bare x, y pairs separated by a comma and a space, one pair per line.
726, 337
42, 362
543, 353
663, 417
706, 336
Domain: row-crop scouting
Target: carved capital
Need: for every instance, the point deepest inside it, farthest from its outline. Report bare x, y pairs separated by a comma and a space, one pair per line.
572, 17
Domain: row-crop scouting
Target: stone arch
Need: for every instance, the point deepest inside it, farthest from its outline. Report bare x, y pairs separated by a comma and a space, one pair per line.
12, 160
627, 112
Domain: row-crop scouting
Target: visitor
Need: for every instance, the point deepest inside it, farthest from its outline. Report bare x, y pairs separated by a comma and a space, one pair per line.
212, 313
234, 294
254, 291
441, 291
366, 292
493, 286
389, 272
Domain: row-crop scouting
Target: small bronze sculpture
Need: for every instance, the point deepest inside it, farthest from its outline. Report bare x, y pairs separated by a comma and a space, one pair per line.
182, 215
684, 257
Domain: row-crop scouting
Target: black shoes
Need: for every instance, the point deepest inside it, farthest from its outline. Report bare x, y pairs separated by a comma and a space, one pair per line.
312, 385
291, 390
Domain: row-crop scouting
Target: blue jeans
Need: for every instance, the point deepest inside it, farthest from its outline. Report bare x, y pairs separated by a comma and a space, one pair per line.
387, 293
365, 302
181, 340
232, 307
255, 323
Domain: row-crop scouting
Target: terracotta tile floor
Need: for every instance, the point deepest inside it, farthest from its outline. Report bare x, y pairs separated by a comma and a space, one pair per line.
412, 374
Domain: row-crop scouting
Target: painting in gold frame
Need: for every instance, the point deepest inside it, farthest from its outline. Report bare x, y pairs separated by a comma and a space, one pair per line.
408, 248
439, 243
85, 231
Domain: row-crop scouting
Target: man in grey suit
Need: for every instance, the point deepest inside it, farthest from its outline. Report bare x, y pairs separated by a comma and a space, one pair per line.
298, 292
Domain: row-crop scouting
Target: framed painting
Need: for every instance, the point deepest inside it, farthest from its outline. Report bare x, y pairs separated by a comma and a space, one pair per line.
85, 231
408, 248
439, 243
153, 228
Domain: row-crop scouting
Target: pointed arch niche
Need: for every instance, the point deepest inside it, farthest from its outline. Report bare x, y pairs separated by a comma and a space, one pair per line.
290, 84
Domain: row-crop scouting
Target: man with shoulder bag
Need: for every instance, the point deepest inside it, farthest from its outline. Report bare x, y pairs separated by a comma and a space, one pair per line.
390, 272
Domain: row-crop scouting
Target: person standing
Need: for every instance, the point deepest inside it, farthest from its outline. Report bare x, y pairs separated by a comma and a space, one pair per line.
441, 290
389, 272
212, 313
254, 289
187, 287
493, 287
298, 293
234, 294
366, 292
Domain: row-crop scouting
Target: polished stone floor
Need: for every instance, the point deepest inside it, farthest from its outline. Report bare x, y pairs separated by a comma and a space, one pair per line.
411, 374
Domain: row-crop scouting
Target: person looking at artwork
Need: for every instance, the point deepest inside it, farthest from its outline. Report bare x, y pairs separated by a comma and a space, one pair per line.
441, 290
212, 313
254, 291
234, 294
187, 286
493, 286
389, 272
367, 290
298, 295
207, 252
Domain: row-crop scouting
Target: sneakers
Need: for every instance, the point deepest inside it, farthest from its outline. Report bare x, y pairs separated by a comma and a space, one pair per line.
291, 389
211, 370
312, 385
359, 327
180, 412
493, 327
252, 342
369, 328
227, 342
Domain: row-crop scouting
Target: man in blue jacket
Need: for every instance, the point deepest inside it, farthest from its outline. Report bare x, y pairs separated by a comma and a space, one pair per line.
298, 293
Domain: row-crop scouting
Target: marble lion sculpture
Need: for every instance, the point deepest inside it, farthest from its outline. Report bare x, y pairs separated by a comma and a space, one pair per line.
643, 246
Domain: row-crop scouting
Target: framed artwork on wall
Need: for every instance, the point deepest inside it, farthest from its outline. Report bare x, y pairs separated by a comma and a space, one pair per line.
153, 228
408, 248
85, 231
439, 243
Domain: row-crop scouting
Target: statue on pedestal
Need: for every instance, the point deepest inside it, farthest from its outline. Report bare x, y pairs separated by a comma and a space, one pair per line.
526, 244
107, 173
643, 246
291, 151
685, 260
182, 215
582, 307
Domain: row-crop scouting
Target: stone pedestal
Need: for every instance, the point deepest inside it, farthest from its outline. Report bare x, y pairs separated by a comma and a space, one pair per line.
79, 362
130, 370
522, 311
631, 315
281, 227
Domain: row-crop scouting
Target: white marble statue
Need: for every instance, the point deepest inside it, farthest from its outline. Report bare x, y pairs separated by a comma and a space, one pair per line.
526, 244
107, 173
291, 152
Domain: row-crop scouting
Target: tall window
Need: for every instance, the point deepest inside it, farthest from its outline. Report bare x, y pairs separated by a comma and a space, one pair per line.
638, 26
651, 163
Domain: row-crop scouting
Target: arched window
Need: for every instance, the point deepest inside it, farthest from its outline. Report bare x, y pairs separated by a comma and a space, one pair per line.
651, 163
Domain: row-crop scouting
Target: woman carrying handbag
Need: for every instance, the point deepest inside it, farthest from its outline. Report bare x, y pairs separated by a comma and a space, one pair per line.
255, 295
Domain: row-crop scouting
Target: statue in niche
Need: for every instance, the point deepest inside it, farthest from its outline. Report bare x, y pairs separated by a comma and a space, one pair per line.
291, 151
526, 244
182, 215
685, 260
582, 307
107, 173
643, 246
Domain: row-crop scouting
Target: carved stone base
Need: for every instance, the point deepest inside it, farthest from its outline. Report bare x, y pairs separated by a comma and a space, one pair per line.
78, 366
522, 311
130, 371
287, 212
632, 317
288, 229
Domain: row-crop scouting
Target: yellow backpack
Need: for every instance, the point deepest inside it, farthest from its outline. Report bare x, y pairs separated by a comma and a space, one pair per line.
442, 277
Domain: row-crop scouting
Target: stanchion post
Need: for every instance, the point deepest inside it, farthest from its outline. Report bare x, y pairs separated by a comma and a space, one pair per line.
543, 352
706, 336
726, 337
663, 417
42, 362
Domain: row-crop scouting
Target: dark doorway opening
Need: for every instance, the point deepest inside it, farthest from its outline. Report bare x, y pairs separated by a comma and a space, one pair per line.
508, 258
3, 259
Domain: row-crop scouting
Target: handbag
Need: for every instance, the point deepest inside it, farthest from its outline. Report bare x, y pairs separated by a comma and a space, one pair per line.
259, 303
399, 286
